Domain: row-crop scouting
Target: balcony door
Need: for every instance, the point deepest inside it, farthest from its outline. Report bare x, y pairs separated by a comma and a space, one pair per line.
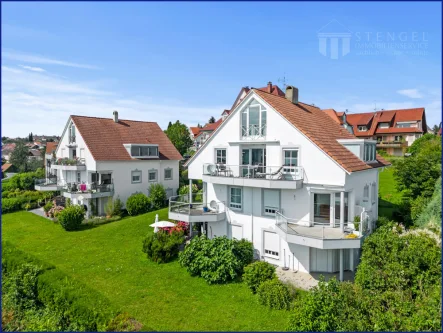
252, 157
322, 208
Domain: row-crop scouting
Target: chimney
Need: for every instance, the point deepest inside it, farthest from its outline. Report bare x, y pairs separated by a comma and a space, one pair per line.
292, 94
270, 87
115, 114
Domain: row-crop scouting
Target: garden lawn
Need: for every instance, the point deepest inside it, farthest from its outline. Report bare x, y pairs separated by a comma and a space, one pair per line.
164, 297
389, 197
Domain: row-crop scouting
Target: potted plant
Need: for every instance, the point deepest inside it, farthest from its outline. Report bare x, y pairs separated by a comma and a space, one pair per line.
205, 209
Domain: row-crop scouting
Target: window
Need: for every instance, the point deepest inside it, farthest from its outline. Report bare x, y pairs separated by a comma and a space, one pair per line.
78, 177
291, 157
373, 193
362, 128
406, 124
220, 156
95, 177
398, 138
152, 175
168, 174
74, 153
235, 200
144, 151
271, 202
366, 193
337, 206
383, 125
136, 176
106, 178
253, 120
271, 244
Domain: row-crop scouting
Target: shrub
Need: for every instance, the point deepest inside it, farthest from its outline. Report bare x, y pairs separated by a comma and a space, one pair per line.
157, 196
55, 211
125, 323
162, 247
118, 207
138, 203
216, 260
48, 206
109, 207
258, 272
244, 251
71, 217
274, 294
11, 205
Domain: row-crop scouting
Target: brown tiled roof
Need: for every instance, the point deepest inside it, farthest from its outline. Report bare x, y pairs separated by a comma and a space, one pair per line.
50, 147
334, 115
195, 131
6, 166
105, 138
212, 126
272, 89
320, 129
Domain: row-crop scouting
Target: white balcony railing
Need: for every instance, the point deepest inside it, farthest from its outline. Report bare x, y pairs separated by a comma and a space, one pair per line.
180, 204
311, 229
253, 131
254, 171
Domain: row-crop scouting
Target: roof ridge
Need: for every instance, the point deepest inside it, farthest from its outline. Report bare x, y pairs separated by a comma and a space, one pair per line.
139, 121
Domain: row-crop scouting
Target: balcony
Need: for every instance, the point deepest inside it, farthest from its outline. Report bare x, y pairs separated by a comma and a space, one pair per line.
279, 177
391, 144
48, 184
87, 191
181, 210
252, 132
322, 236
69, 164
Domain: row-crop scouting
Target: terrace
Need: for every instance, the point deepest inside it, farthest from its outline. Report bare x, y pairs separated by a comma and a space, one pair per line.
87, 190
182, 209
74, 164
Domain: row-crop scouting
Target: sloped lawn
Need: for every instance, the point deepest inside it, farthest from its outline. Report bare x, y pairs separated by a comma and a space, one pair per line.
164, 297
389, 197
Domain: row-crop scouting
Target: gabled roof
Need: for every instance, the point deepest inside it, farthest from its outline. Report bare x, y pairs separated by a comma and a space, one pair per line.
272, 89
210, 127
321, 130
195, 131
105, 138
50, 147
334, 115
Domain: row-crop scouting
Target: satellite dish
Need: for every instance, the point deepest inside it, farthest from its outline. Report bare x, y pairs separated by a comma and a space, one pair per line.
213, 205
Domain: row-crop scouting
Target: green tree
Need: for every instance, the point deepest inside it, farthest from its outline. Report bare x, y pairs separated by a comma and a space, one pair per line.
19, 157
178, 133
436, 128
211, 120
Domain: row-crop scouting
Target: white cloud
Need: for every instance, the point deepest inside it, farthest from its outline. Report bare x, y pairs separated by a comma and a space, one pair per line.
37, 59
34, 69
41, 103
411, 93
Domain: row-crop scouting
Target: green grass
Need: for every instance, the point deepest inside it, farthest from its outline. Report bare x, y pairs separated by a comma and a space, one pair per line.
165, 297
389, 197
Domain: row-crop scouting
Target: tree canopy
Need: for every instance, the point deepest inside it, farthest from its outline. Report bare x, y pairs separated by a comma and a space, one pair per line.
179, 135
19, 157
211, 120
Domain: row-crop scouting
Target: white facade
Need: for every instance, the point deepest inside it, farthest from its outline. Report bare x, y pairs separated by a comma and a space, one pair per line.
96, 181
310, 193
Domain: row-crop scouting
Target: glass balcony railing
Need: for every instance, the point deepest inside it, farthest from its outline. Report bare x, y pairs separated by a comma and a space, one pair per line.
281, 172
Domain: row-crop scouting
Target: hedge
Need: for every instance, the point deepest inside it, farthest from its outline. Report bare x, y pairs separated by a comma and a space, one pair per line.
77, 307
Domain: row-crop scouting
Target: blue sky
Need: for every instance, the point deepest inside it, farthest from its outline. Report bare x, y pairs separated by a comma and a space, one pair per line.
167, 61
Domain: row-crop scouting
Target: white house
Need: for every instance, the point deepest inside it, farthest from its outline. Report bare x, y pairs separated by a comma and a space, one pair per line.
287, 177
98, 158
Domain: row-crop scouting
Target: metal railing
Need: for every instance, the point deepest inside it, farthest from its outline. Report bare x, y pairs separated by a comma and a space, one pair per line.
253, 131
69, 161
181, 204
254, 171
50, 181
311, 229
75, 187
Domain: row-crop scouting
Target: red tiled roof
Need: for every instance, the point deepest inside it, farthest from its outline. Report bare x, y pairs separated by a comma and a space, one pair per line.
105, 138
322, 130
334, 115
195, 131
6, 166
212, 126
50, 147
392, 117
272, 89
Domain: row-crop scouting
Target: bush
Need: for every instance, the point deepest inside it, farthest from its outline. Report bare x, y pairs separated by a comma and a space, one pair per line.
162, 247
431, 214
157, 196
138, 203
274, 294
217, 260
48, 206
244, 251
109, 207
118, 207
11, 205
258, 272
71, 217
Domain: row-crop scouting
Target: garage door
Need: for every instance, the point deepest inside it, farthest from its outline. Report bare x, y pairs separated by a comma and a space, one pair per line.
271, 244
236, 231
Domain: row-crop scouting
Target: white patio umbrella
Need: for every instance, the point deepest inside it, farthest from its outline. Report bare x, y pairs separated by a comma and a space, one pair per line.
160, 224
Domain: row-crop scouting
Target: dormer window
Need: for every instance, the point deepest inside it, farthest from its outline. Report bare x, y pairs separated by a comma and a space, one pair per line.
369, 152
383, 125
362, 128
406, 124
142, 150
253, 120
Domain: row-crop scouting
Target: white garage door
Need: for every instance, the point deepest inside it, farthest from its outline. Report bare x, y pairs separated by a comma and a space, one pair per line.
271, 244
237, 231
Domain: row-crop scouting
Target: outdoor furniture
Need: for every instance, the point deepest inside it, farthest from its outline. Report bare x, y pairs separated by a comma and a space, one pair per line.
277, 173
82, 187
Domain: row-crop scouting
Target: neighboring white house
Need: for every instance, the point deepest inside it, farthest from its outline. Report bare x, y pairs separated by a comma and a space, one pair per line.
98, 158
287, 177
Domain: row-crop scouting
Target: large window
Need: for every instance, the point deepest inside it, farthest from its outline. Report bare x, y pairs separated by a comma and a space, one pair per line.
253, 120
235, 198
144, 151
220, 156
398, 138
406, 124
290, 157
271, 202
369, 152
136, 177
168, 174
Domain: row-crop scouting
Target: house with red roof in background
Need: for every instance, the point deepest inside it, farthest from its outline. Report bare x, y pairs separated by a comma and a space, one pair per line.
394, 130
